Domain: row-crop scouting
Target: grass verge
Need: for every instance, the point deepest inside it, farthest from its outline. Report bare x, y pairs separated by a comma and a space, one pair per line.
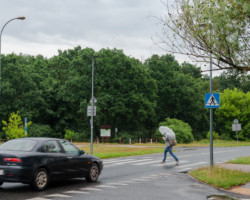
216, 143
106, 151
220, 177
241, 160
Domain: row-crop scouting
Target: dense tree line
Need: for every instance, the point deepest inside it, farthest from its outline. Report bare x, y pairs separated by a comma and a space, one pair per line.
132, 96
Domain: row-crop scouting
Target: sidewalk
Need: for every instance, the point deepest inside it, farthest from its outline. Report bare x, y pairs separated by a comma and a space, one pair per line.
244, 189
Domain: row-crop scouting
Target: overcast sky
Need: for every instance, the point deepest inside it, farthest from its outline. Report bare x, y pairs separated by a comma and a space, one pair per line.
51, 25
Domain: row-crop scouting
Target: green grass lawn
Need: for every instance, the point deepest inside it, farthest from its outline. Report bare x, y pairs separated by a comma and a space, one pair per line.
220, 177
241, 160
111, 151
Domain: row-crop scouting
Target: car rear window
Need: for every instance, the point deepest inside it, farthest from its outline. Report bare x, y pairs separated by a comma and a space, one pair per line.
18, 145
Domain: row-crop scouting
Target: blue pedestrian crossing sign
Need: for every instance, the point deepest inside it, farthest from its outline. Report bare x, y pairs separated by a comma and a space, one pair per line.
212, 100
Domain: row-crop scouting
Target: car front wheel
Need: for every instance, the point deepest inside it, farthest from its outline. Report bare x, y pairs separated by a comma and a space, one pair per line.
93, 173
40, 180
1, 183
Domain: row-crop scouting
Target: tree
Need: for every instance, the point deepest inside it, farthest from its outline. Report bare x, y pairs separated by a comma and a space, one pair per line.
15, 128
217, 26
179, 95
235, 104
228, 80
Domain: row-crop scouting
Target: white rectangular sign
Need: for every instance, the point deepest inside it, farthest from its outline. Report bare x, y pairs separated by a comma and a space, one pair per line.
89, 111
236, 127
105, 132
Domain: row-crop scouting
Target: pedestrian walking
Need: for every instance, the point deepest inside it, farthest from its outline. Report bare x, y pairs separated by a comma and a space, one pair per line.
170, 140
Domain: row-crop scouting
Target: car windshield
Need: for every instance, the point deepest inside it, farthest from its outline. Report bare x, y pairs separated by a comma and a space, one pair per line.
18, 145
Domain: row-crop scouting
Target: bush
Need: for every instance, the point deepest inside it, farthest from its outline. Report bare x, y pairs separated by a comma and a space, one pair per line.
71, 135
14, 127
40, 130
215, 135
182, 130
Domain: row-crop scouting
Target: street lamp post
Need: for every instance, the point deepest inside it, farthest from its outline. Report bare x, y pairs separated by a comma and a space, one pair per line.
21, 18
93, 101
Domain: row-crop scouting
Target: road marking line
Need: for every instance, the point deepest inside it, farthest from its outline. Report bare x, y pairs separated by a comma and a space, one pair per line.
115, 161
204, 153
199, 163
122, 163
164, 174
132, 161
91, 189
185, 169
105, 186
38, 198
139, 179
76, 192
117, 184
145, 163
58, 195
126, 181
183, 161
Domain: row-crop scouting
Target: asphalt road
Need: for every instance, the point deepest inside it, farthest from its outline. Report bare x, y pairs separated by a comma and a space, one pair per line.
137, 177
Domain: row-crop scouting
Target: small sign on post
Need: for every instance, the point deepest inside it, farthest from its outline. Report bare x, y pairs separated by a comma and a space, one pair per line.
89, 111
25, 125
236, 127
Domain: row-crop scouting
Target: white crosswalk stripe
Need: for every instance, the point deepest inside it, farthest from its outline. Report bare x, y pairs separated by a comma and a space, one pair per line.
58, 195
169, 163
199, 163
76, 192
145, 163
91, 189
105, 186
117, 184
125, 162
137, 162
115, 161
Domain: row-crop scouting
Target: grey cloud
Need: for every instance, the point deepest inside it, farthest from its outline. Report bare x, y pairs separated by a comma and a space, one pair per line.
106, 23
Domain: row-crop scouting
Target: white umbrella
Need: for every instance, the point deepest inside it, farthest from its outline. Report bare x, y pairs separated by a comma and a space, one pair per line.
165, 131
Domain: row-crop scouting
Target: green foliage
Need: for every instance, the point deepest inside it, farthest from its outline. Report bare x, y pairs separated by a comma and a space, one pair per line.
235, 104
40, 130
215, 135
231, 80
14, 128
71, 135
180, 95
217, 26
182, 130
132, 96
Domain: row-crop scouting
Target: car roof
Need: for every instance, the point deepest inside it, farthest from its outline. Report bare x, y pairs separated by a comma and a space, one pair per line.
38, 138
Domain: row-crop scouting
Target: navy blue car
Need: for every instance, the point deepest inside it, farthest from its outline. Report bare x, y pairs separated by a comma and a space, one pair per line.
38, 161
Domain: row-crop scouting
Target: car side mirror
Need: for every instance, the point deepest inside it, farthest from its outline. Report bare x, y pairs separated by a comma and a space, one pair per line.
82, 152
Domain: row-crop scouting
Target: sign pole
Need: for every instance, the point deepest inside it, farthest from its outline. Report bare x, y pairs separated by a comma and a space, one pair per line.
92, 106
211, 117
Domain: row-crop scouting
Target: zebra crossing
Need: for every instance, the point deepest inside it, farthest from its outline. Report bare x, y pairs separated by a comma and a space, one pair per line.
137, 162
185, 165
102, 187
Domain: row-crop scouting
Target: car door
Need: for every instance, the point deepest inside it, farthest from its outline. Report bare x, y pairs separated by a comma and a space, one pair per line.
56, 159
77, 164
